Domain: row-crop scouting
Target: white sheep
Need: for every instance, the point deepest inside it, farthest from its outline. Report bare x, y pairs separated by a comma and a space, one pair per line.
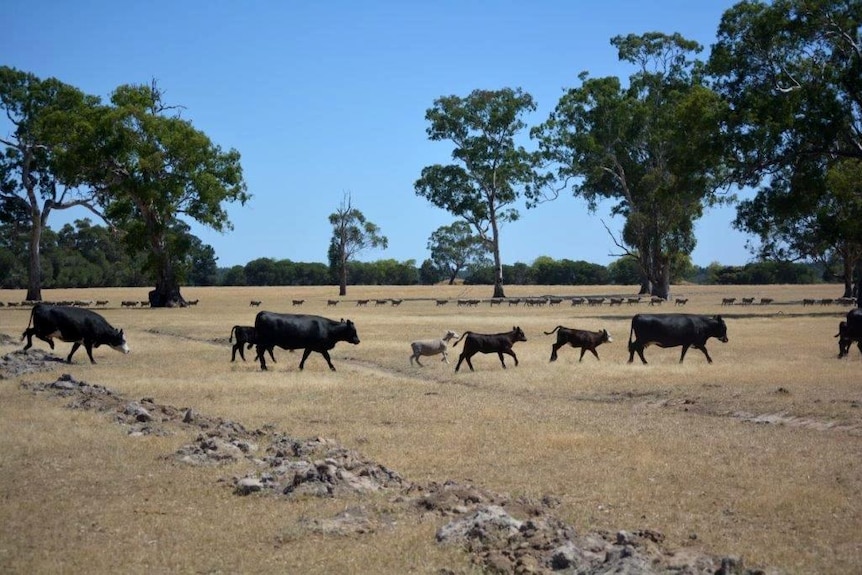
431, 347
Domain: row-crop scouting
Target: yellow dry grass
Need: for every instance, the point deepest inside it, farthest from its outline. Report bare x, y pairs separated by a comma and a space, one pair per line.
757, 455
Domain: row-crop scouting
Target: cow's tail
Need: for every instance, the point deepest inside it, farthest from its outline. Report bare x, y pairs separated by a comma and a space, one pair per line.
460, 338
29, 323
230, 339
553, 330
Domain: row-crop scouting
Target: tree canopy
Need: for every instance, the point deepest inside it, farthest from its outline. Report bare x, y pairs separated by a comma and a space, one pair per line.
352, 233
791, 71
38, 171
490, 171
651, 146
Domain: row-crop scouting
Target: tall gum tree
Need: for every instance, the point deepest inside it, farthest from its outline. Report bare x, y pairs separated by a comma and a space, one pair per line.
652, 147
454, 247
39, 169
791, 71
150, 168
490, 172
352, 233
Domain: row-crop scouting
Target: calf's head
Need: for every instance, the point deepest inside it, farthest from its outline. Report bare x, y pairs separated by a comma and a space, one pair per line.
518, 334
719, 329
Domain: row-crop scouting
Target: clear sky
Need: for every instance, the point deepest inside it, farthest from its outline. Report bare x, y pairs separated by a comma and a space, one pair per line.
327, 98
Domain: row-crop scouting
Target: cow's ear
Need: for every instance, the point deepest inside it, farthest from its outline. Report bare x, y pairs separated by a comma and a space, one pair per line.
717, 317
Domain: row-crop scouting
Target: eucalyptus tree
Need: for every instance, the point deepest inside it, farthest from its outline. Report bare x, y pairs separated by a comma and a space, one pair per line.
651, 146
791, 71
490, 172
454, 247
49, 123
151, 168
352, 233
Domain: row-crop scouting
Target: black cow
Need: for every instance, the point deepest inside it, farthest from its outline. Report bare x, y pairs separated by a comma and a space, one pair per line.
586, 340
498, 343
297, 331
675, 329
72, 324
850, 331
245, 335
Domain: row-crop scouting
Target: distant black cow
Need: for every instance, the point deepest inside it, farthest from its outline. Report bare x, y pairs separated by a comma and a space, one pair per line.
675, 329
295, 331
71, 324
586, 340
498, 343
245, 335
850, 331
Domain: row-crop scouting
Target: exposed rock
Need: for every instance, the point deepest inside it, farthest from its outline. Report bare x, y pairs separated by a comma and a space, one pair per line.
502, 534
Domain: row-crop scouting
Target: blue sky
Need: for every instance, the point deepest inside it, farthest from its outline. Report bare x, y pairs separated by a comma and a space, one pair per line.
327, 98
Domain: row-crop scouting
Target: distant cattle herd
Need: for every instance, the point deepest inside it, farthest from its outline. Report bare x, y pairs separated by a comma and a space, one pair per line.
68, 322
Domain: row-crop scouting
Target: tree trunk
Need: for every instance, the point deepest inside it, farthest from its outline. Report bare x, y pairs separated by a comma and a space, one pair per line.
167, 292
848, 275
34, 273
342, 278
166, 296
498, 263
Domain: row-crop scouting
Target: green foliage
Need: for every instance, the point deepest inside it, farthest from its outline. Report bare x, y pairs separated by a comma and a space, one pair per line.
430, 273
39, 168
791, 71
490, 171
766, 273
651, 147
454, 247
625, 271
150, 167
352, 234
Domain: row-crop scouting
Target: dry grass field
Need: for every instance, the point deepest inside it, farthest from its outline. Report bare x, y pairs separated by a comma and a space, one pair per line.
758, 455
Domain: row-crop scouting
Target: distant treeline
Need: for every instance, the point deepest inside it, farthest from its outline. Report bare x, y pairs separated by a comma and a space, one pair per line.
86, 255
543, 271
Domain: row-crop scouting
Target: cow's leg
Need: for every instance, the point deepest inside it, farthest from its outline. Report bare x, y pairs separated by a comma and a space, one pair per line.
470, 363
500, 355
75, 347
89, 347
305, 353
271, 356
554, 348
685, 349
460, 359
325, 355
636, 347
508, 352
260, 355
706, 353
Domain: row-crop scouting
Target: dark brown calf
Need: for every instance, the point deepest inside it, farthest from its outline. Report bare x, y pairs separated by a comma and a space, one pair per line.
586, 340
498, 343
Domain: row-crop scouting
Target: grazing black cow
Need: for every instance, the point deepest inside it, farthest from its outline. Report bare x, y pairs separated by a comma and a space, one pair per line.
71, 324
295, 331
245, 335
498, 343
850, 331
586, 340
675, 329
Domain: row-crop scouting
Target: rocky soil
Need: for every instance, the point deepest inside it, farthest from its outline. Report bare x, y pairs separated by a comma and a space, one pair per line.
501, 533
